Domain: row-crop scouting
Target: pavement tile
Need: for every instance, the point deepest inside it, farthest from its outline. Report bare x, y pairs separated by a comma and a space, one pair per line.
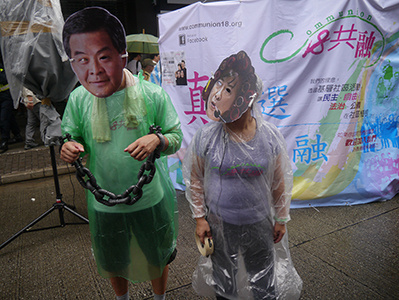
323, 281
362, 254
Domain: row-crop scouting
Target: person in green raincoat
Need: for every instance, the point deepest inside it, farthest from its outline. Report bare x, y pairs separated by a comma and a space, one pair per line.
108, 118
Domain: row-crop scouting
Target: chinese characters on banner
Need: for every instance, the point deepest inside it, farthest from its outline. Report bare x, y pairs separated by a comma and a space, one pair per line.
330, 84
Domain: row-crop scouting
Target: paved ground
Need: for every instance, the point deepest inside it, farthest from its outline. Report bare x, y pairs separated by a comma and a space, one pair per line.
340, 252
17, 164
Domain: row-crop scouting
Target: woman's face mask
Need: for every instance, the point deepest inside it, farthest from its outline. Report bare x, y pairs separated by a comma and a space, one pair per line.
222, 96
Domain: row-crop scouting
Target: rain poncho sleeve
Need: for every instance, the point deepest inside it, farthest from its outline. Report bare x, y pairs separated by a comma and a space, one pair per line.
242, 188
130, 241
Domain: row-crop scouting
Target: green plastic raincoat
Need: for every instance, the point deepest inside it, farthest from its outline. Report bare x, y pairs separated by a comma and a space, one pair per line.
130, 241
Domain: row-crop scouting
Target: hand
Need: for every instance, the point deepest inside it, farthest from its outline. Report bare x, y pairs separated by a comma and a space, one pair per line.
29, 105
70, 151
143, 147
279, 231
203, 229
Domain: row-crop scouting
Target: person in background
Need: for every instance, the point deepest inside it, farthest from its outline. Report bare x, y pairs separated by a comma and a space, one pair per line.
8, 123
184, 71
134, 65
33, 117
179, 75
108, 118
148, 66
156, 74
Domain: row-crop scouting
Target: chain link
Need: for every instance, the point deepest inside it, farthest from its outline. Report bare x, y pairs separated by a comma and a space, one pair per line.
108, 198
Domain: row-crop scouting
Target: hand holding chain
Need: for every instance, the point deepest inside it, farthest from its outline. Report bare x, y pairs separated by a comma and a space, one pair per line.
110, 199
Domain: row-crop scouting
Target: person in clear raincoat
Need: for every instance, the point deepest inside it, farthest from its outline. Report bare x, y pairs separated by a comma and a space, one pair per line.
109, 117
238, 182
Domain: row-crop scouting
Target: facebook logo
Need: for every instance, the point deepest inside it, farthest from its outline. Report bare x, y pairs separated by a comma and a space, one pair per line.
182, 39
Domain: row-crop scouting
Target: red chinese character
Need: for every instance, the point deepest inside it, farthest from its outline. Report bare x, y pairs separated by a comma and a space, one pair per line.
364, 44
197, 104
346, 38
347, 96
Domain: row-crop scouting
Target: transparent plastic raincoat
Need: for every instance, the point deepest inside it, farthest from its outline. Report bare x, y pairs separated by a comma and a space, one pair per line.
31, 45
242, 189
130, 241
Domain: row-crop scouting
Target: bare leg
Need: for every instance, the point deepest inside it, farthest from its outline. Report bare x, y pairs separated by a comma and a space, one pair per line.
159, 284
120, 285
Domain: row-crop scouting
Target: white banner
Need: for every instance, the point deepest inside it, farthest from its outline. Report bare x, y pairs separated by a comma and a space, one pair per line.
330, 71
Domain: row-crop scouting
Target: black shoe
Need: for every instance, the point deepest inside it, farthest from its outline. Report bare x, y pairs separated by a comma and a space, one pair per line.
3, 147
30, 146
16, 139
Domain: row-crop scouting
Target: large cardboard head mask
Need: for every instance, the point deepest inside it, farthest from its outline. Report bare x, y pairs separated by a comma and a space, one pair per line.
95, 42
231, 90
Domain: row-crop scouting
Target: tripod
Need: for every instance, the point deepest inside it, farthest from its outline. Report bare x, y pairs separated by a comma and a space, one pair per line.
58, 205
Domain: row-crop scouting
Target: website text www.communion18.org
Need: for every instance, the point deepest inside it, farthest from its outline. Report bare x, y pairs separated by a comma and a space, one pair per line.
211, 25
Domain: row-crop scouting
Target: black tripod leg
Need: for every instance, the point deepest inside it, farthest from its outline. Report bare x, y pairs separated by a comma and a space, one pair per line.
61, 214
60, 205
25, 229
59, 195
76, 214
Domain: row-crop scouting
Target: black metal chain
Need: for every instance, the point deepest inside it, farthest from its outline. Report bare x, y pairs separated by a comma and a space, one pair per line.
136, 189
